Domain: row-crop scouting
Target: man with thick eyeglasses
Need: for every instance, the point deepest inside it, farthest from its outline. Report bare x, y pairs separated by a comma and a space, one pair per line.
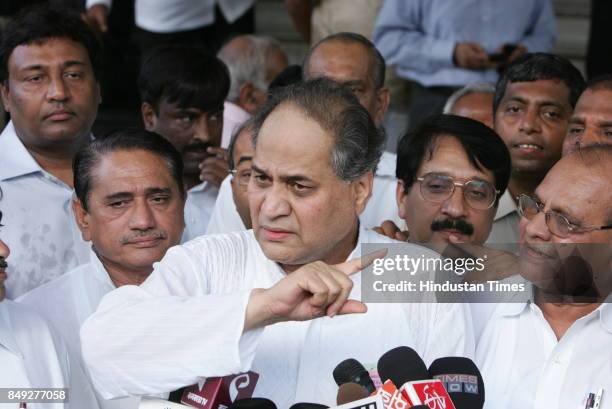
553, 349
451, 172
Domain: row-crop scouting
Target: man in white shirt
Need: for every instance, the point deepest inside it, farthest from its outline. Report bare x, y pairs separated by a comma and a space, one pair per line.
32, 356
129, 204
205, 23
253, 62
201, 310
50, 88
553, 350
340, 57
533, 102
182, 91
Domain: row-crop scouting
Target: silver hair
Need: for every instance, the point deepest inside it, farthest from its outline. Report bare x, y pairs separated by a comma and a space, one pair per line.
475, 88
248, 66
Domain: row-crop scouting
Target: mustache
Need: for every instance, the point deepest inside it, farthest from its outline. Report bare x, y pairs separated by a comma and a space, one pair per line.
460, 225
197, 147
3, 263
151, 235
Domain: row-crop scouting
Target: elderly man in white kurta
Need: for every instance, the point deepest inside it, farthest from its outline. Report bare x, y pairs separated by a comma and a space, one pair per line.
201, 313
554, 350
130, 201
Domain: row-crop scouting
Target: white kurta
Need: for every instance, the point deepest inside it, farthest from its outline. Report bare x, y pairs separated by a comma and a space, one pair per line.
524, 366
65, 303
186, 322
198, 209
31, 355
39, 229
380, 207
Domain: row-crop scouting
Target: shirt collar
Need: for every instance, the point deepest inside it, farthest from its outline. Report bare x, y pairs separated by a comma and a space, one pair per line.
199, 188
7, 340
235, 112
506, 206
605, 314
513, 309
16, 159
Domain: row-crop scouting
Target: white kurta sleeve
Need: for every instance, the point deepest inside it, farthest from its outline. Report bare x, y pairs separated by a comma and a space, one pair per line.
167, 333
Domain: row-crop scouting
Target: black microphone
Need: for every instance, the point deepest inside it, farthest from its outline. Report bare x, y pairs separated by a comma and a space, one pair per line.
350, 370
306, 405
253, 403
401, 365
462, 381
419, 407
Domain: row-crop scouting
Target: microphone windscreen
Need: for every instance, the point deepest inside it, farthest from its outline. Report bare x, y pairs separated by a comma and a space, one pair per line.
253, 403
351, 370
306, 405
401, 365
462, 381
350, 392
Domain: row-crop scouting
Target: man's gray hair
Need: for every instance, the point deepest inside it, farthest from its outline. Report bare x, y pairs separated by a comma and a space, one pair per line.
358, 143
247, 64
476, 88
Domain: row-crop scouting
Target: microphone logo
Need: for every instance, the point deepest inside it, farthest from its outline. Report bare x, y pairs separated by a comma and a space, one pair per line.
433, 400
242, 381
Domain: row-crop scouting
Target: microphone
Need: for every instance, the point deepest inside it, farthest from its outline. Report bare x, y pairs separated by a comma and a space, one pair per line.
351, 370
306, 405
371, 402
401, 365
253, 403
350, 392
462, 380
429, 392
219, 393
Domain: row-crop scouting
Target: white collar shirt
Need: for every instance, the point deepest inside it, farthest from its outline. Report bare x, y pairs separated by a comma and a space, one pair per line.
381, 206
193, 305
198, 210
65, 303
524, 365
168, 16
233, 117
31, 355
505, 228
39, 224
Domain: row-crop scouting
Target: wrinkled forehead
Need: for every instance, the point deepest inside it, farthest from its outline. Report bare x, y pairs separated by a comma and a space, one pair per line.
340, 61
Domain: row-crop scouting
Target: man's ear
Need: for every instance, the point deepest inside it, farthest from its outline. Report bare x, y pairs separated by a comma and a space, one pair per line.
82, 219
362, 190
149, 118
400, 195
249, 97
383, 98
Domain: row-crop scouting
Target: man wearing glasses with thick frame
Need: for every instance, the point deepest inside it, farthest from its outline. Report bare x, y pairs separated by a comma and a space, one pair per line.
461, 167
539, 352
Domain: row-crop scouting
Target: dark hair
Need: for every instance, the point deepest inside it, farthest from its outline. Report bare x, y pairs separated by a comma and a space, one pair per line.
601, 82
288, 76
540, 66
482, 145
37, 24
376, 59
129, 139
249, 124
183, 75
358, 143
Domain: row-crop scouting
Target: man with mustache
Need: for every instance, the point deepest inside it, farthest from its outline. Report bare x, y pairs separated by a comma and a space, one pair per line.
129, 204
591, 122
534, 99
552, 349
182, 91
203, 308
49, 64
31, 353
451, 173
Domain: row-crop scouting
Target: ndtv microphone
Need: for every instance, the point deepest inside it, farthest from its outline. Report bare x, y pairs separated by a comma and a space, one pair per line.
401, 365
462, 381
219, 393
350, 370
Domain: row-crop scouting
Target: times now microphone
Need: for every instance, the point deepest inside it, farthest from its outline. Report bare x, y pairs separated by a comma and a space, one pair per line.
219, 393
462, 380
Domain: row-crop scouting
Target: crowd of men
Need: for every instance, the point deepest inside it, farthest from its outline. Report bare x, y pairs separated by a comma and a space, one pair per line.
226, 234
